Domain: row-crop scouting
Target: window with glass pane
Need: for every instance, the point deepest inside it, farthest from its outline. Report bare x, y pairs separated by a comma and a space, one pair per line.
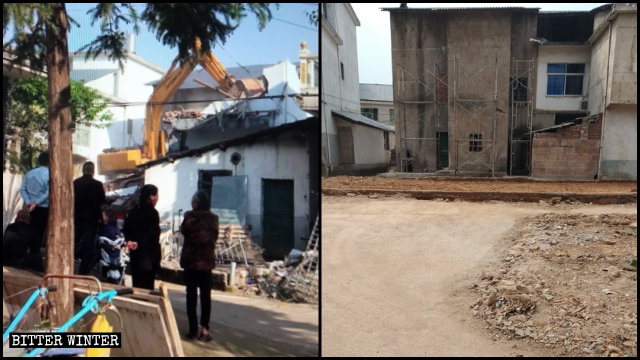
555, 85
575, 68
574, 85
371, 113
565, 79
556, 68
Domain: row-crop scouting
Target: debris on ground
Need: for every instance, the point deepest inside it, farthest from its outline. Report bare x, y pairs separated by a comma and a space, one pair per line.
567, 282
293, 279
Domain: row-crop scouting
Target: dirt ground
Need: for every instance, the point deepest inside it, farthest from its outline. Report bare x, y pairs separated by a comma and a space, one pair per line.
480, 189
409, 277
250, 327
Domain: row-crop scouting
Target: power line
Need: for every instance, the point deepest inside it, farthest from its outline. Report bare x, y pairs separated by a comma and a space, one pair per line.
298, 25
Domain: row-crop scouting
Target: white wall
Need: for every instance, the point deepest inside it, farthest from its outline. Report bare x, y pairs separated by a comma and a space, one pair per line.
338, 94
561, 54
130, 92
368, 144
282, 158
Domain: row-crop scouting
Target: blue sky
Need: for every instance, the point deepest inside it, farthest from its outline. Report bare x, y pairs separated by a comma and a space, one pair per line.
280, 40
374, 37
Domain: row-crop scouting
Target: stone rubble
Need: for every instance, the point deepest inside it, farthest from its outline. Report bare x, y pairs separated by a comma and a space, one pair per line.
567, 282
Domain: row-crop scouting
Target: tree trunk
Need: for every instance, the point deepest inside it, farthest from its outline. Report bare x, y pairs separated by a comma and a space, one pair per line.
60, 230
5, 95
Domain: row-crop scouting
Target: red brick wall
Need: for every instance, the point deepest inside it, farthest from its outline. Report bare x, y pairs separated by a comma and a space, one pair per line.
571, 152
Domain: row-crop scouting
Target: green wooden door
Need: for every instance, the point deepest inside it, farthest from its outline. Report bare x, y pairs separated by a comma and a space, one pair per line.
277, 218
443, 150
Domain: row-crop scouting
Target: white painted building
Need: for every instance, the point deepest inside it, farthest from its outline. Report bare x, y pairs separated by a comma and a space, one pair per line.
262, 152
259, 158
561, 54
129, 90
269, 179
376, 102
595, 76
351, 143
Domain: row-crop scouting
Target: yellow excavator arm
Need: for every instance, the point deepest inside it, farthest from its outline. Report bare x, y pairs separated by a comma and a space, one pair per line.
121, 161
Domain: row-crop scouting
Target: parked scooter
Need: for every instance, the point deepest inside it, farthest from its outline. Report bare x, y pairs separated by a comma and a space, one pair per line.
113, 261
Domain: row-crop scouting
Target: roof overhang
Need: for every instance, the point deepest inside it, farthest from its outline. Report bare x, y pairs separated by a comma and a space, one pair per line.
362, 120
17, 71
308, 124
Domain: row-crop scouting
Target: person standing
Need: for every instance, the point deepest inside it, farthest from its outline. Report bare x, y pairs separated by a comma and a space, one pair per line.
89, 197
35, 194
141, 229
200, 230
16, 239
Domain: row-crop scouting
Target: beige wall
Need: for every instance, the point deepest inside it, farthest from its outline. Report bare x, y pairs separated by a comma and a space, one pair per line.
614, 75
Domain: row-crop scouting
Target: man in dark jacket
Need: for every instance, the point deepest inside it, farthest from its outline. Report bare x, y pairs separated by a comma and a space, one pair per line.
89, 197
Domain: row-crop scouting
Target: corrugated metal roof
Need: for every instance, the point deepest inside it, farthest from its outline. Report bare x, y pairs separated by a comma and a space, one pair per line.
458, 9
563, 12
376, 92
363, 120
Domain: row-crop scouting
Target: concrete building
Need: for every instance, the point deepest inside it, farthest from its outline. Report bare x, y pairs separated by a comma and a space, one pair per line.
376, 102
472, 86
257, 156
613, 88
129, 90
266, 181
351, 143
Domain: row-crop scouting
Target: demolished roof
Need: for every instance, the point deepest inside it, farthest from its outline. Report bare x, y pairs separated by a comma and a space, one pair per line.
300, 125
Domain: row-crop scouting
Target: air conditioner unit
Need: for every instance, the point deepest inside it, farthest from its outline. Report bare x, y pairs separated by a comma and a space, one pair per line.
584, 105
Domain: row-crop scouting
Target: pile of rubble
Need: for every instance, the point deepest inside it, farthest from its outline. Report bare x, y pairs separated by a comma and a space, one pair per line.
589, 308
294, 279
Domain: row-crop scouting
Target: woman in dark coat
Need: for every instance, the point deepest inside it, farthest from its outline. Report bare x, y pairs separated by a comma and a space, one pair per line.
142, 231
200, 231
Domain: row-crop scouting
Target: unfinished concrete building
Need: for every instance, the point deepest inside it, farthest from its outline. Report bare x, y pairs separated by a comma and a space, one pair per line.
472, 85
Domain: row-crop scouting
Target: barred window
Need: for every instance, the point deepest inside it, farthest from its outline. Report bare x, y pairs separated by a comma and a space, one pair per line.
475, 142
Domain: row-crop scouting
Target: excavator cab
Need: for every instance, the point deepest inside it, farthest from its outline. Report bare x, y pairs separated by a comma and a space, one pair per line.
125, 161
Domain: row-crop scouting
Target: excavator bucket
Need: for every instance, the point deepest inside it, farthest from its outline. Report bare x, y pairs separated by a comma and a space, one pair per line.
119, 161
